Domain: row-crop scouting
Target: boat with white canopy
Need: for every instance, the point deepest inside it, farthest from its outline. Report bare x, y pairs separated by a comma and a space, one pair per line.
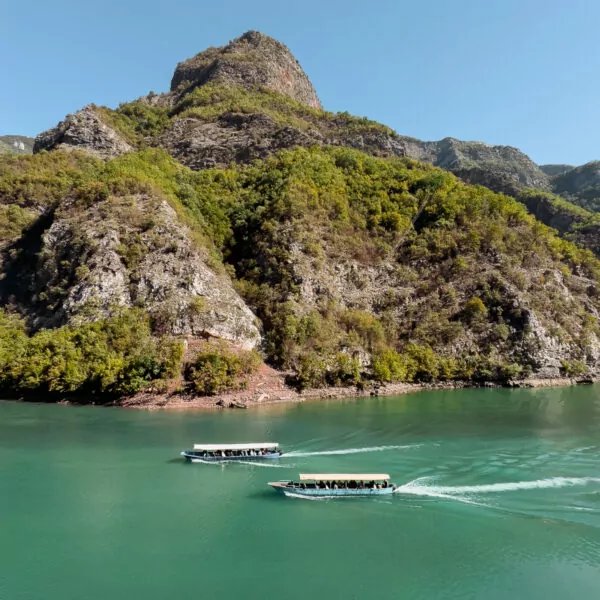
328, 485
232, 452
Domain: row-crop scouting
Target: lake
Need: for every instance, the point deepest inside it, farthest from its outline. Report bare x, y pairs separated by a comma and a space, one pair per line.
499, 498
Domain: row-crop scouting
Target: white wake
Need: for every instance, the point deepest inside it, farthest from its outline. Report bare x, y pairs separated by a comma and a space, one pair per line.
239, 462
294, 454
256, 464
419, 486
292, 495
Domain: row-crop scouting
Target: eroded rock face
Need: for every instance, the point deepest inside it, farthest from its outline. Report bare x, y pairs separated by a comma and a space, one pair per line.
84, 131
241, 138
252, 60
232, 138
131, 252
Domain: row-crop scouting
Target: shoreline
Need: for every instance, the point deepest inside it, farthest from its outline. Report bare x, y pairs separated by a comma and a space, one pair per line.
242, 399
154, 399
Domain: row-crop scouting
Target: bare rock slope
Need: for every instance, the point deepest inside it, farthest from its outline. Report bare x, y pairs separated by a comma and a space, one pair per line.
85, 130
252, 60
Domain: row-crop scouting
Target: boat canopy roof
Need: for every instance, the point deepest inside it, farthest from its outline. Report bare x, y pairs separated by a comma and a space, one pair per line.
344, 477
253, 446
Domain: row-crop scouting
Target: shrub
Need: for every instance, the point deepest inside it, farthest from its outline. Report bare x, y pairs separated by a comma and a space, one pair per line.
217, 369
311, 371
474, 310
573, 368
388, 366
344, 370
111, 357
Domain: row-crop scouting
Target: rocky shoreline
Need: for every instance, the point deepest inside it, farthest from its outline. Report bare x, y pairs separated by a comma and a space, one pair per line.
244, 399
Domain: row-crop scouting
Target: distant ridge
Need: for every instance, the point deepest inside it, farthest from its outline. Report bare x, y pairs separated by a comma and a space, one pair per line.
16, 144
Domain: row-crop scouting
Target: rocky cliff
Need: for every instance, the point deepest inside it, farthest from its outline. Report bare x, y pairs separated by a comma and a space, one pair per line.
234, 208
86, 131
252, 61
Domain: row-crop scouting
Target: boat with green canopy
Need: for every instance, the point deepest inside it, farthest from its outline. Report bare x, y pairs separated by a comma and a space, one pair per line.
333, 485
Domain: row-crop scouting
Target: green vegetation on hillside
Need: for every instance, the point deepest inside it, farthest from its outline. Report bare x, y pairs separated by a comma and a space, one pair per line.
140, 123
109, 358
217, 369
415, 276
580, 185
338, 204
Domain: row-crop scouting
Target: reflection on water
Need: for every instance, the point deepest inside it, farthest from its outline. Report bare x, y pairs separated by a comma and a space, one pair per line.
499, 497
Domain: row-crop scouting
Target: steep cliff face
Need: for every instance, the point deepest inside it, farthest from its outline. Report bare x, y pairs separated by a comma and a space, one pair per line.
253, 60
112, 243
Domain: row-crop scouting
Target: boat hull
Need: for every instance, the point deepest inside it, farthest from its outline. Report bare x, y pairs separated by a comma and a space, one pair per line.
296, 491
191, 457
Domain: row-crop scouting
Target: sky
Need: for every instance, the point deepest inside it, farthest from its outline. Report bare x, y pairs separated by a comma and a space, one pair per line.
522, 73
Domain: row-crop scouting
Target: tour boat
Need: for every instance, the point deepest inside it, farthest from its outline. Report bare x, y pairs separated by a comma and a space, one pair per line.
232, 452
329, 485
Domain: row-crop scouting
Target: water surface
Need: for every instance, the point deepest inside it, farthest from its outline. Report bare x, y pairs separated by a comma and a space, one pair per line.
499, 498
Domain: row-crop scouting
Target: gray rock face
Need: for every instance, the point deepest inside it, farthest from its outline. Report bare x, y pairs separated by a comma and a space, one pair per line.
130, 252
232, 138
252, 60
389, 286
85, 131
241, 138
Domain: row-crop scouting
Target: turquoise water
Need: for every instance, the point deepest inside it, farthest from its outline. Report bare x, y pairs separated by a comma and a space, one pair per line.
499, 499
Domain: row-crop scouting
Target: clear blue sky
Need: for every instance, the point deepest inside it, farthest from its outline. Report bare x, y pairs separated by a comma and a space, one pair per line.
518, 72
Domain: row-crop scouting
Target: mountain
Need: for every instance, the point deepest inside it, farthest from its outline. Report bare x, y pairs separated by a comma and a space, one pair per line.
173, 238
556, 169
252, 60
250, 99
580, 185
16, 144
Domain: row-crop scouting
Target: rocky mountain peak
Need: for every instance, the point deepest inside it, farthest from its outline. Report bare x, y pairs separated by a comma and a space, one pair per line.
252, 60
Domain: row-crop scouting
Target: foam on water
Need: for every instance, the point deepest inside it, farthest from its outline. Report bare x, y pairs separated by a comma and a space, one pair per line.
294, 454
292, 495
421, 488
256, 464
239, 462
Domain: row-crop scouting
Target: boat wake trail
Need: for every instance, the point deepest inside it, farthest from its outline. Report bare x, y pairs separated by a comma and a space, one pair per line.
348, 451
292, 495
256, 464
239, 462
419, 487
